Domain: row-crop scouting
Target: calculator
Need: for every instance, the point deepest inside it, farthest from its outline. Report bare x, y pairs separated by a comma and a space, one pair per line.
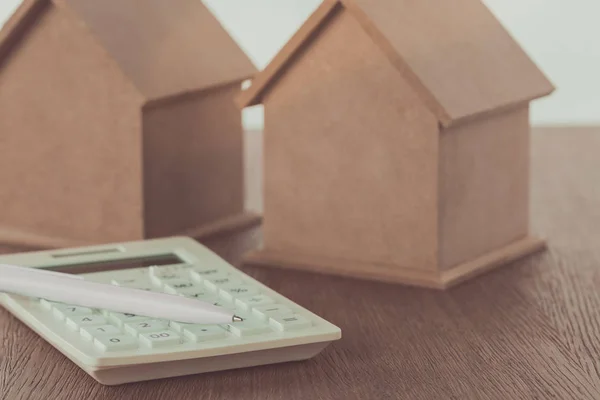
116, 348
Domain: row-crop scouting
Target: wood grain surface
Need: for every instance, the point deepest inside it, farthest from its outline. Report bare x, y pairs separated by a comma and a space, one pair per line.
527, 331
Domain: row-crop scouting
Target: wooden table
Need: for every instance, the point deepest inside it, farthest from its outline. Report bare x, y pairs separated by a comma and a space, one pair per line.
527, 331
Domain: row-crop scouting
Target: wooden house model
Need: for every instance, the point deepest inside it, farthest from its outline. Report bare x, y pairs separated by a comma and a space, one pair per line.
118, 122
396, 143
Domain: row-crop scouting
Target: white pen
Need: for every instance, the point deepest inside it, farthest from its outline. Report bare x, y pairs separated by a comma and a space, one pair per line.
73, 289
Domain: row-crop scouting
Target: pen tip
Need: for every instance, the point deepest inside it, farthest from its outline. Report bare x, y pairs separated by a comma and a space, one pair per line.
235, 318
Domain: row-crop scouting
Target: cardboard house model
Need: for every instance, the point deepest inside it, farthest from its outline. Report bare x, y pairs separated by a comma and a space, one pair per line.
118, 122
396, 143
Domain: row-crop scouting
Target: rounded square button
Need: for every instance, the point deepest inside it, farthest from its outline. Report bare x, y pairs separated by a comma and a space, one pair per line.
221, 279
116, 343
127, 281
153, 325
120, 319
196, 291
247, 302
202, 295
201, 273
75, 322
289, 322
203, 333
224, 303
48, 304
175, 286
266, 311
62, 311
91, 332
160, 339
233, 291
160, 275
248, 327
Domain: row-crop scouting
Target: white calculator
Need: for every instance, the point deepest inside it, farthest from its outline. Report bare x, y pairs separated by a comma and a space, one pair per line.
117, 348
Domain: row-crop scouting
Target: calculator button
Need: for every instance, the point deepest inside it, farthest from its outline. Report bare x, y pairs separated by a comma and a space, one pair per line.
48, 304
85, 320
203, 333
247, 302
120, 319
271, 310
214, 281
137, 328
91, 332
196, 291
116, 343
200, 294
126, 281
140, 285
131, 280
168, 272
247, 328
178, 326
160, 339
202, 273
62, 311
224, 303
289, 322
161, 274
174, 286
232, 291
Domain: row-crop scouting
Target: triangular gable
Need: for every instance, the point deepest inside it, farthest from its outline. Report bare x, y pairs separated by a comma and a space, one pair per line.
18, 24
165, 48
456, 54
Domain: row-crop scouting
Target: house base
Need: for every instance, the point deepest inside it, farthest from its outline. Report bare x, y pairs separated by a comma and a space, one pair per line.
396, 274
21, 240
234, 223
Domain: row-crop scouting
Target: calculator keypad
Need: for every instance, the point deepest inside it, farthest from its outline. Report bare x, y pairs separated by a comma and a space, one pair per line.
113, 331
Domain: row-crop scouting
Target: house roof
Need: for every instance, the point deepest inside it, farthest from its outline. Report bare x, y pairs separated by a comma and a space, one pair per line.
165, 48
456, 54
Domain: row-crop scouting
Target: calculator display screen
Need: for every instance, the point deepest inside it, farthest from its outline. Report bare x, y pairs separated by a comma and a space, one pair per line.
126, 263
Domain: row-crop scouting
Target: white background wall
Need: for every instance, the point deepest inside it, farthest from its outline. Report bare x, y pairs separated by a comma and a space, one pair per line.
560, 35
